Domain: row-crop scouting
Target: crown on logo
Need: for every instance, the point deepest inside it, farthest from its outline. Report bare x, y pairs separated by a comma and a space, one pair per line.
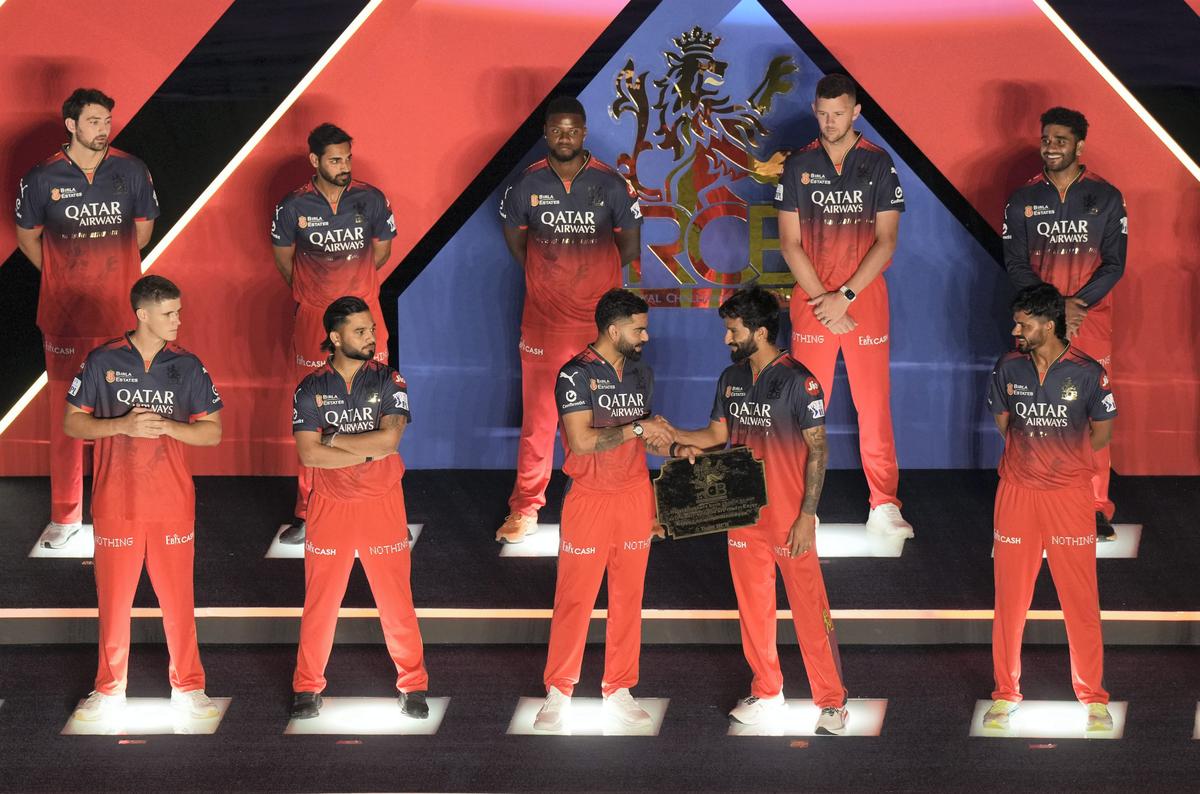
696, 42
708, 471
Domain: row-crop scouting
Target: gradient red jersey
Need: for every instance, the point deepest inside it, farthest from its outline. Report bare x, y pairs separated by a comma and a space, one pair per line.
334, 254
769, 415
838, 208
143, 479
571, 258
1048, 444
90, 255
325, 404
589, 383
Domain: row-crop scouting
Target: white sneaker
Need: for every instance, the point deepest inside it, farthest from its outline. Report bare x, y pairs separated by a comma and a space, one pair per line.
552, 713
997, 716
621, 706
195, 704
753, 710
832, 721
56, 535
99, 706
886, 520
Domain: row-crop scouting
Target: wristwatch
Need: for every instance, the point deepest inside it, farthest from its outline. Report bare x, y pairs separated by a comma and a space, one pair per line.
849, 293
638, 430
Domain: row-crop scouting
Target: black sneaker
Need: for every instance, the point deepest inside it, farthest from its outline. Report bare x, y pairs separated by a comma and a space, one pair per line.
1104, 529
305, 705
413, 704
294, 533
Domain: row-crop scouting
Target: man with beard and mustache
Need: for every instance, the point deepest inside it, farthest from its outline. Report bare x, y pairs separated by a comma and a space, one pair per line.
347, 420
1067, 227
1053, 406
771, 403
330, 237
83, 217
603, 397
573, 223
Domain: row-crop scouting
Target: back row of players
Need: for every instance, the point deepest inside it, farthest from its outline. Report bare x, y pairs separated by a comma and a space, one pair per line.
83, 215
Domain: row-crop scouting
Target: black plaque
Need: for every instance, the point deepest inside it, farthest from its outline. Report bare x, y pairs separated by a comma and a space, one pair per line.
721, 491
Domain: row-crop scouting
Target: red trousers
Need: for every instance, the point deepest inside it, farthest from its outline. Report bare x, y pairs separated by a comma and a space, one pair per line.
542, 355
308, 357
64, 357
754, 553
866, 351
1095, 339
168, 549
1063, 524
600, 531
378, 531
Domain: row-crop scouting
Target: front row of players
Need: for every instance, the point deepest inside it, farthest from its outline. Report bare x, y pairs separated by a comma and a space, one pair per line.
141, 397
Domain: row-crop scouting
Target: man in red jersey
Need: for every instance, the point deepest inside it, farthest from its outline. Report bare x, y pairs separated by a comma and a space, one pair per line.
1054, 408
83, 216
573, 223
330, 237
1068, 227
142, 398
839, 203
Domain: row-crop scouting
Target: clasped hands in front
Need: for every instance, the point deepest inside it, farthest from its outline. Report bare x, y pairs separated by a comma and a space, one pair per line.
831, 309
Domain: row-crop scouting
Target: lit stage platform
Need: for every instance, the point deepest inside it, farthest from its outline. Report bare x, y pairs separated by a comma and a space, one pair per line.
587, 718
368, 716
145, 717
1050, 719
799, 718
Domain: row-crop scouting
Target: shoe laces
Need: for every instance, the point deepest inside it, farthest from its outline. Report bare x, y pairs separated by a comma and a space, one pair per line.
831, 711
1098, 710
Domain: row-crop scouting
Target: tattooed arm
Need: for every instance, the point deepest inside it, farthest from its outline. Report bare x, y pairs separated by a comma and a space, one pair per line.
803, 535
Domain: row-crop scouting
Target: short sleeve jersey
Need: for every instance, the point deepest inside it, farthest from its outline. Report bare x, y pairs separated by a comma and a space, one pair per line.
838, 208
90, 255
1048, 442
1077, 244
325, 404
334, 255
589, 383
769, 415
571, 257
143, 479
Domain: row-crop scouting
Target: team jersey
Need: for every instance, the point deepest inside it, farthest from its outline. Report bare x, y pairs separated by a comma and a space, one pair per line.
324, 404
1077, 244
769, 415
143, 479
589, 383
1048, 442
571, 257
90, 255
838, 208
334, 256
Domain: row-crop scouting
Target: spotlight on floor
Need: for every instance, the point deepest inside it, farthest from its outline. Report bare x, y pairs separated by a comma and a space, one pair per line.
368, 717
1049, 719
543, 543
81, 546
147, 716
587, 718
799, 718
295, 551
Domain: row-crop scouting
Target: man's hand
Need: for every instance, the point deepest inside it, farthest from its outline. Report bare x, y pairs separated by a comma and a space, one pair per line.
802, 537
142, 423
1076, 314
842, 326
829, 307
688, 451
658, 432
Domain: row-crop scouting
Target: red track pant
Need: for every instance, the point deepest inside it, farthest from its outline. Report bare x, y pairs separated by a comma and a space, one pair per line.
542, 355
168, 549
754, 553
378, 531
600, 531
1095, 339
866, 351
1063, 524
308, 357
64, 356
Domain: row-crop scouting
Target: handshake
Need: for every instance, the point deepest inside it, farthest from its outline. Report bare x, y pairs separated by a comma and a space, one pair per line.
663, 438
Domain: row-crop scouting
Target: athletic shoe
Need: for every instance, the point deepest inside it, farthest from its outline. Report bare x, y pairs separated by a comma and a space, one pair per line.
832, 721
294, 533
196, 704
413, 705
515, 527
99, 706
553, 712
1098, 719
306, 705
56, 535
886, 520
621, 706
996, 718
1104, 528
753, 710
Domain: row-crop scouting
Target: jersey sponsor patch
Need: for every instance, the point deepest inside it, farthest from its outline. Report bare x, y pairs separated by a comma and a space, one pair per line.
779, 192
811, 386
817, 408
75, 384
1110, 404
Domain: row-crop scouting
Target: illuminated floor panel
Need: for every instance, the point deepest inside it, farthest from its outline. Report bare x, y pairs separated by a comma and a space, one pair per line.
369, 717
82, 545
586, 718
799, 718
1049, 719
147, 716
295, 551
543, 543
1195, 730
1124, 547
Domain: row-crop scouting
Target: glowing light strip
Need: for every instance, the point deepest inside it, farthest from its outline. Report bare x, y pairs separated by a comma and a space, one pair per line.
1121, 90
27, 397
